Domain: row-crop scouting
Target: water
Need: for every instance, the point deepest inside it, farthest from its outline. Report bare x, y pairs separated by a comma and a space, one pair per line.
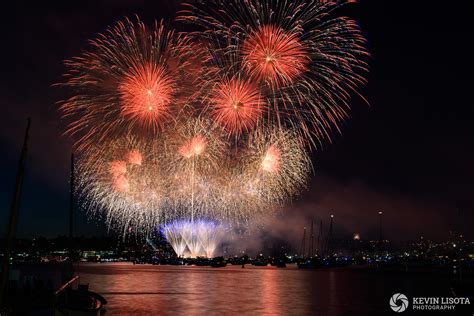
151, 290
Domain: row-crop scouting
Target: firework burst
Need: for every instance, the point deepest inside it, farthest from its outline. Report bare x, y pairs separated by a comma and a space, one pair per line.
308, 62
146, 94
142, 184
194, 151
237, 105
262, 175
272, 55
276, 165
153, 114
126, 83
194, 144
124, 181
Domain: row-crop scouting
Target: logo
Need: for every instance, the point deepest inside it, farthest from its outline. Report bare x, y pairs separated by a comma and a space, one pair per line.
399, 302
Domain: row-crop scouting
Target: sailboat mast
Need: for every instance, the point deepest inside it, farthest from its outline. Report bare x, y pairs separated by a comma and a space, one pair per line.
320, 234
12, 223
71, 209
329, 246
303, 246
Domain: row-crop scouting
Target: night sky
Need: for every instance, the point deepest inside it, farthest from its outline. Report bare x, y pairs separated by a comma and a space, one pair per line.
409, 153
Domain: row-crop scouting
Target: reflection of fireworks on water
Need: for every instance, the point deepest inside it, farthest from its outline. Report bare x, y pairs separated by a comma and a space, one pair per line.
194, 239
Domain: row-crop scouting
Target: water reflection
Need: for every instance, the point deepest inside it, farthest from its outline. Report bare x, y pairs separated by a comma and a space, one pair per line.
149, 290
270, 292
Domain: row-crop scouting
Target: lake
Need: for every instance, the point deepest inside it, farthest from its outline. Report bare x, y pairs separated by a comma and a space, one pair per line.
150, 290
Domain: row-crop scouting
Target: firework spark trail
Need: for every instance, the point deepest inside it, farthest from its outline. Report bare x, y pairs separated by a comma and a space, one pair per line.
272, 55
194, 151
276, 165
237, 105
308, 62
175, 238
180, 129
194, 238
130, 192
146, 94
165, 186
126, 83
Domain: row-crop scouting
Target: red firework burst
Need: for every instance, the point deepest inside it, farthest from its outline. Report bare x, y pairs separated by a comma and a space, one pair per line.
135, 157
128, 82
273, 55
193, 147
146, 93
271, 161
120, 183
118, 167
237, 105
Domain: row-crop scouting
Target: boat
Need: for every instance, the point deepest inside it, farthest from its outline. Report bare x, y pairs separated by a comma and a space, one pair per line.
280, 263
218, 262
311, 263
77, 302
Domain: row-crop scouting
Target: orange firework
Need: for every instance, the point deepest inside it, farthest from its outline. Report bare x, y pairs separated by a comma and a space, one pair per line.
146, 94
237, 105
120, 183
118, 167
193, 147
275, 166
127, 83
307, 61
271, 161
135, 157
273, 55
211, 124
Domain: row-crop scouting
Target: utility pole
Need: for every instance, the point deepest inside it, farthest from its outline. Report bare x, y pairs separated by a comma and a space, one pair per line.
12, 223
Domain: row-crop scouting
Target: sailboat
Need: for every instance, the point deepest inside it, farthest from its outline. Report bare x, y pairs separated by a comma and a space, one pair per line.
79, 301
14, 300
